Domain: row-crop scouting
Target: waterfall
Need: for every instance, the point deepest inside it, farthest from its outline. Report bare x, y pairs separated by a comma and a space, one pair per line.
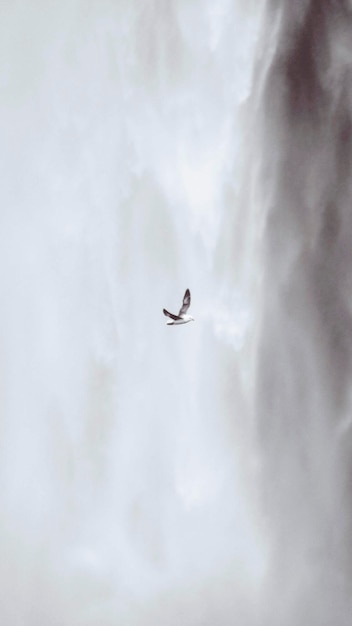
195, 474
304, 348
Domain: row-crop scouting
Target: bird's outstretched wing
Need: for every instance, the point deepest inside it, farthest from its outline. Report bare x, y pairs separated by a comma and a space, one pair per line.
173, 317
186, 302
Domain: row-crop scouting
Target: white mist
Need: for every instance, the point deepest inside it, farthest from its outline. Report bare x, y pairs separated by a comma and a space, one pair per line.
147, 473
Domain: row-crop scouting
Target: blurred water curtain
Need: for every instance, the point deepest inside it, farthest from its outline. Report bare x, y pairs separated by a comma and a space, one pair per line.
197, 474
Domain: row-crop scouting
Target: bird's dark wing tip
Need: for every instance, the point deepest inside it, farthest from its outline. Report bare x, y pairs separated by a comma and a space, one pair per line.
168, 314
186, 302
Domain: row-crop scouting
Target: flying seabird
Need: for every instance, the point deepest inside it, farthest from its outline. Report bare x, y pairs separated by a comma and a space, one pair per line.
181, 318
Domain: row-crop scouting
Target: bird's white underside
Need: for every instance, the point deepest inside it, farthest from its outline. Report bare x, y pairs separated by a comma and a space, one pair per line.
184, 319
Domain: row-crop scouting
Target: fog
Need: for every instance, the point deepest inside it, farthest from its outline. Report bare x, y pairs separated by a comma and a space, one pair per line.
196, 474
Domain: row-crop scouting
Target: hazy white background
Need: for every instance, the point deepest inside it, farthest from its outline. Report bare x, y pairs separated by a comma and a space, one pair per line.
194, 475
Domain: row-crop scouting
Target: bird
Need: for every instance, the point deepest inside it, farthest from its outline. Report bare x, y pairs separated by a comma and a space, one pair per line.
181, 318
